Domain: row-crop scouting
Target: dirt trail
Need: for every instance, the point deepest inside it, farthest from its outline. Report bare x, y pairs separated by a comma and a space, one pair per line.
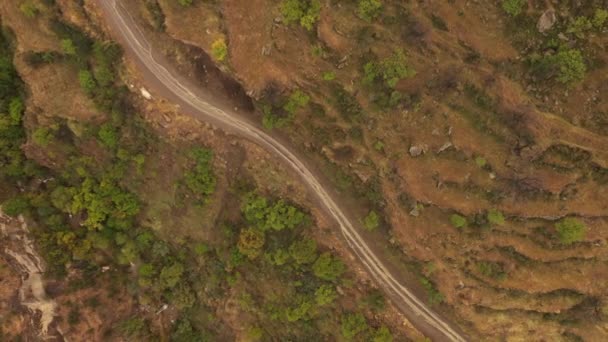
161, 77
19, 250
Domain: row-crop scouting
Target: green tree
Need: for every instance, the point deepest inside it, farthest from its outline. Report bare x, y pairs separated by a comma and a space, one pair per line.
250, 242
390, 70
328, 267
171, 275
15, 206
201, 180
353, 325
219, 49
382, 334
368, 10
570, 65
570, 230
304, 251
495, 217
371, 221
599, 18
305, 12
513, 7
87, 82
297, 99
42, 136
108, 136
301, 311
458, 221
325, 295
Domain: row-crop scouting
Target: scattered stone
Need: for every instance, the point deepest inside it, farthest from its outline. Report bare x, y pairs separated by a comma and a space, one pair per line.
266, 50
492, 175
562, 36
146, 94
416, 150
435, 132
415, 211
444, 147
546, 21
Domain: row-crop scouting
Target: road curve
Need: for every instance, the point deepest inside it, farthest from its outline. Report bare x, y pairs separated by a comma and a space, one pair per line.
157, 71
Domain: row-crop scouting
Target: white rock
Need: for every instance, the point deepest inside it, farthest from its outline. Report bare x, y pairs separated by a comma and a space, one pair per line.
146, 94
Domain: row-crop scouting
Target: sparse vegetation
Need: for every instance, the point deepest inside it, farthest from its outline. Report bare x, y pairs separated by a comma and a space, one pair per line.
513, 7
570, 230
304, 12
369, 10
219, 50
458, 221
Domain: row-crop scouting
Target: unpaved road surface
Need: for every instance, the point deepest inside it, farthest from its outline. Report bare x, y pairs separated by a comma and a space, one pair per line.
163, 80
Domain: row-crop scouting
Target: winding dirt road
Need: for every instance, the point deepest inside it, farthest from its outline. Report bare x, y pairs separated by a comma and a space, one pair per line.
163, 80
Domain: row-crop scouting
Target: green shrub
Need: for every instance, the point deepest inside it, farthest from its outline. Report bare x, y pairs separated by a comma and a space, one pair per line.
87, 82
305, 12
329, 76
382, 334
201, 180
15, 206
513, 7
579, 26
298, 99
42, 136
219, 50
185, 3
353, 325
133, 327
250, 242
458, 221
599, 18
67, 45
368, 10
29, 9
328, 267
434, 296
390, 70
496, 217
108, 136
371, 221
325, 295
481, 161
303, 251
571, 66
276, 216
491, 269
570, 230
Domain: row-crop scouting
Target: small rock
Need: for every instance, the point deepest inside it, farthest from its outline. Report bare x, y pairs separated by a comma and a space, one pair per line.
546, 21
416, 150
415, 212
562, 36
444, 147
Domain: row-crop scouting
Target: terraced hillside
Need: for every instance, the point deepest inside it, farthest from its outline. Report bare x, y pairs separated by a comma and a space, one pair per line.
470, 139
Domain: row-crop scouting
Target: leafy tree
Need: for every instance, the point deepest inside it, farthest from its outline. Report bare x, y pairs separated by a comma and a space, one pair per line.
15, 110
382, 334
325, 295
353, 325
15, 206
87, 82
133, 327
570, 65
265, 216
108, 136
390, 70
371, 221
434, 296
305, 12
304, 251
458, 221
219, 50
570, 230
250, 242
328, 268
201, 180
301, 311
375, 300
279, 257
368, 10
171, 275
599, 18
496, 217
184, 332
42, 136
67, 45
296, 100
513, 7
579, 26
